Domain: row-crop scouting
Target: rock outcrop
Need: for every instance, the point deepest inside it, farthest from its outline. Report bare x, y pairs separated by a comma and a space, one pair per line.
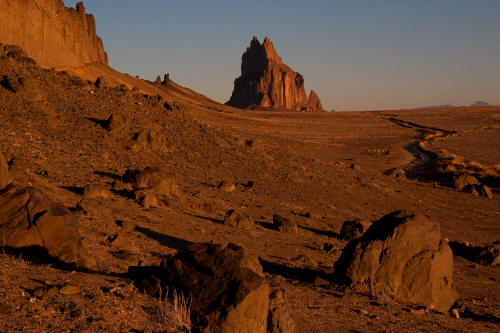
228, 293
29, 220
267, 83
402, 255
50, 33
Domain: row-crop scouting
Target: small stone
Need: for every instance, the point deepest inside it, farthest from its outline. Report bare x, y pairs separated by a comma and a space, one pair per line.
40, 292
236, 218
52, 291
226, 186
284, 224
455, 314
69, 289
101, 82
126, 225
147, 198
94, 191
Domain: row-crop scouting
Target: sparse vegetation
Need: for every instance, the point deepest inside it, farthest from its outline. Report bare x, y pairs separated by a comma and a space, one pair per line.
174, 310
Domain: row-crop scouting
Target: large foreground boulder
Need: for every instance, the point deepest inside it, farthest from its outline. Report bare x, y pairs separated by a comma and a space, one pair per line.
29, 220
225, 287
401, 255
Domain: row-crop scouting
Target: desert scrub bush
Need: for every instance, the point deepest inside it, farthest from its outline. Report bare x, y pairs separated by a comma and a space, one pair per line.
174, 311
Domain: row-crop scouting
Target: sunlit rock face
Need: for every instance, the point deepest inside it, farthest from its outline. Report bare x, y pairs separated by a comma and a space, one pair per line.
51, 33
267, 83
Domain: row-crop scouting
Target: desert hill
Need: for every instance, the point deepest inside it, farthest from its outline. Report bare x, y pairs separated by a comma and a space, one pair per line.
479, 103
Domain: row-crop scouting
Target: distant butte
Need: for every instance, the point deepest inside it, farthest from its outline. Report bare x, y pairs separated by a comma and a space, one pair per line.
267, 83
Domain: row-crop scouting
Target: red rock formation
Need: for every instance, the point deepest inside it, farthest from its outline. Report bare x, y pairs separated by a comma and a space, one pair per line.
267, 83
51, 33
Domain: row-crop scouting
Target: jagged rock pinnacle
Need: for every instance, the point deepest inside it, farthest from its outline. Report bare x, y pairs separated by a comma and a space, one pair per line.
267, 83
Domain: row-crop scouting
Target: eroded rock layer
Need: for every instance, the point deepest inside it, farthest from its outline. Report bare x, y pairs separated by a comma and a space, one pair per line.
51, 33
267, 83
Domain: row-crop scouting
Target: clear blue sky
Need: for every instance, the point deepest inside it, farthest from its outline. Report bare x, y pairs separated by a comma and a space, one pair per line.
357, 55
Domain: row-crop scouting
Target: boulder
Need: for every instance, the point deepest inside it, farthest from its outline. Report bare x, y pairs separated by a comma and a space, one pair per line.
154, 179
396, 172
479, 190
227, 295
354, 229
401, 255
266, 82
12, 83
147, 198
484, 255
5, 177
284, 224
237, 218
29, 220
463, 181
95, 191
101, 82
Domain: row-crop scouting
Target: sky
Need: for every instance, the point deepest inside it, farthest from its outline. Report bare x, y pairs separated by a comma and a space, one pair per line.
356, 54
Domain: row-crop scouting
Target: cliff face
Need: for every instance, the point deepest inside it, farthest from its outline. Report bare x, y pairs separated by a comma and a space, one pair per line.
267, 83
51, 33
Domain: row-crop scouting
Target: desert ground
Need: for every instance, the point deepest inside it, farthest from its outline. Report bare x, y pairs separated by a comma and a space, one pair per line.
317, 169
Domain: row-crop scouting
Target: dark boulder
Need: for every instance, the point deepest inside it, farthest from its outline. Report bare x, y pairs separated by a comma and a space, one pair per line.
237, 218
29, 220
152, 179
354, 229
479, 190
401, 255
101, 82
284, 224
226, 291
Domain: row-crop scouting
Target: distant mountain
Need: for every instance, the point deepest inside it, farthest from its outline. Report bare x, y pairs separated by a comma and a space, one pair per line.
480, 103
444, 106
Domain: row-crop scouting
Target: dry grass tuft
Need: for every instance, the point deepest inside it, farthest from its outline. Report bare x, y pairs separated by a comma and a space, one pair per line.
174, 310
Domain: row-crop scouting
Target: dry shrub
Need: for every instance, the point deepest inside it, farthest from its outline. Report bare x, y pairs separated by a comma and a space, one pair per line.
174, 311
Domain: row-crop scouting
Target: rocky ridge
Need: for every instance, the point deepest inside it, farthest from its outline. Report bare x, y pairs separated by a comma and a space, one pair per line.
50, 33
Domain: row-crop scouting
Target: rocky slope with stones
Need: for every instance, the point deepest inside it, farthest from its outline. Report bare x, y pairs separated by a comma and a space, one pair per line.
171, 193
